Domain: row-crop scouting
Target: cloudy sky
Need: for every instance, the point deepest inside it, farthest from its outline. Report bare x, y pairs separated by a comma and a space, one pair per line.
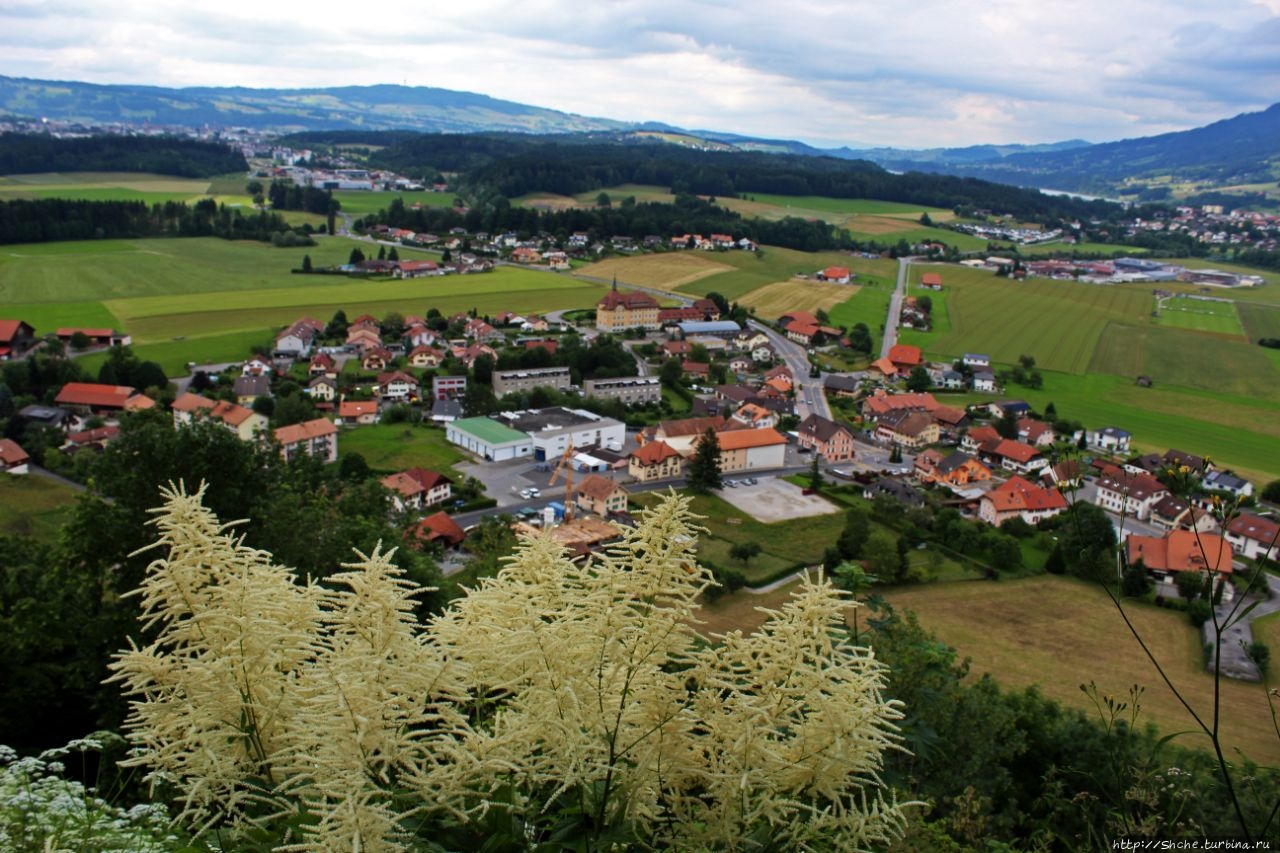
911, 73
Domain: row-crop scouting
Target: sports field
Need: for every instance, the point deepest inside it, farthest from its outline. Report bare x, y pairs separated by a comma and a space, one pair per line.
1199, 315
210, 300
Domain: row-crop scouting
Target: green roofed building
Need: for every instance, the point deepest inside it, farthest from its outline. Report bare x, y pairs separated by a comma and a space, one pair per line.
489, 439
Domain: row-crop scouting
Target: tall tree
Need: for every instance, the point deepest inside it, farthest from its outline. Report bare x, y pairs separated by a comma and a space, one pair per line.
704, 469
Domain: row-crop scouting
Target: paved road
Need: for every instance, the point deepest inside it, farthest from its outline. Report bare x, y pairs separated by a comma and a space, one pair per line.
809, 395
895, 309
1238, 635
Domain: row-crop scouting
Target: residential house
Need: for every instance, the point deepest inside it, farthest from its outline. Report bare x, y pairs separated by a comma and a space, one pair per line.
980, 437
357, 412
398, 386
249, 388
931, 281
1181, 551
1017, 457
406, 492
425, 357
1016, 409
1035, 433
1221, 481
1067, 474
419, 335
984, 382
257, 366
322, 364
882, 369
1254, 536
677, 349
1111, 440
836, 275
363, 338
684, 433
905, 357
600, 495
97, 337
95, 439
13, 459
1126, 493
298, 338
951, 420
16, 337
892, 489
376, 358
907, 429
697, 369
440, 528
841, 385
880, 403
954, 469
741, 364
244, 422
1196, 465
436, 487
755, 416
1019, 498
655, 460
830, 439
318, 438
448, 387
323, 388
976, 361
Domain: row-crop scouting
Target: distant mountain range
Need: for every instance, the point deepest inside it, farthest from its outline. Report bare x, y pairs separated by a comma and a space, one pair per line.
1244, 150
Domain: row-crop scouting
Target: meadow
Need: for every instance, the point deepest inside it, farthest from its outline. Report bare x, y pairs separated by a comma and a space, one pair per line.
34, 507
1057, 634
1198, 315
210, 300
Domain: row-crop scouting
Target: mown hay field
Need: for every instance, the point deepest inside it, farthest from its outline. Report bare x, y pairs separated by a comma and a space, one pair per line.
774, 300
1058, 633
663, 271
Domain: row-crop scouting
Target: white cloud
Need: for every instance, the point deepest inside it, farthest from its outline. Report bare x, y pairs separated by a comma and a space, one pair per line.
915, 74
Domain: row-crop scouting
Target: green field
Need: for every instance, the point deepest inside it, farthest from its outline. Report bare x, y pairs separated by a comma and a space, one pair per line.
358, 202
209, 300
1260, 321
34, 507
1007, 319
388, 448
1198, 315
774, 264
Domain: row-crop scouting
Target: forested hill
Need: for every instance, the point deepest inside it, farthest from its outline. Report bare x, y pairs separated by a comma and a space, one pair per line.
512, 165
1240, 150
418, 108
162, 155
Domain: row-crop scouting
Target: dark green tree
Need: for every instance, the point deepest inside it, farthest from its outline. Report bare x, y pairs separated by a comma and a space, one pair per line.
356, 256
919, 379
1088, 541
1136, 582
815, 472
306, 263
704, 469
744, 551
857, 527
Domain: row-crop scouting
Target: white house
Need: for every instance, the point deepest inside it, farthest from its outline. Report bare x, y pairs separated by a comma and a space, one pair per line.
1109, 440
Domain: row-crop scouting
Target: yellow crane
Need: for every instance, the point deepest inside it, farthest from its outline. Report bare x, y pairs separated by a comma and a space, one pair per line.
565, 466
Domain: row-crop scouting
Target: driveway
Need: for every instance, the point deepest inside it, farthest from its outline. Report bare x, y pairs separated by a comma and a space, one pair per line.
1235, 640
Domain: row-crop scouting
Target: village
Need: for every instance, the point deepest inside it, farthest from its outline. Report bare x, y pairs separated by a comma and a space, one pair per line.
497, 390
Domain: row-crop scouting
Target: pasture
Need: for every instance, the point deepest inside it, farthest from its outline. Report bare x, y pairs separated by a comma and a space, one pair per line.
123, 186
34, 507
361, 202
388, 448
1259, 321
1199, 315
663, 271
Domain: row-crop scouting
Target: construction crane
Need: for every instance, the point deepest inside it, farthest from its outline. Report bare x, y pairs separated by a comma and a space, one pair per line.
565, 466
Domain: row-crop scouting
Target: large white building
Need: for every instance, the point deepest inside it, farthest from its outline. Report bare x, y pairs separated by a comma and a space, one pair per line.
489, 439
552, 430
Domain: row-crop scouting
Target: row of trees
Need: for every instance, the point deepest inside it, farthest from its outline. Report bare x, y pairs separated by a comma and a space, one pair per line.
47, 220
23, 153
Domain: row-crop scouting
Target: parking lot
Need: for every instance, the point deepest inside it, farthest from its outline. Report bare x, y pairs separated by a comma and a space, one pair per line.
772, 499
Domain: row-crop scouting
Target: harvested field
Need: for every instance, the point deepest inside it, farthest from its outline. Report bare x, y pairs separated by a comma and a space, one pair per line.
666, 271
773, 300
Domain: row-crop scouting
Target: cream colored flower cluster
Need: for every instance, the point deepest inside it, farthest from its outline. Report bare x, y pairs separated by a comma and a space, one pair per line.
579, 686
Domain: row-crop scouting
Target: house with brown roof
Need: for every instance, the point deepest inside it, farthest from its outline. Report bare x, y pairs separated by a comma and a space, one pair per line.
1181, 551
600, 495
655, 460
931, 280
398, 386
683, 434
1036, 433
905, 357
318, 438
1015, 456
406, 492
954, 469
322, 364
880, 403
832, 440
951, 420
13, 459
323, 388
249, 388
1021, 499
97, 336
1125, 493
619, 310
837, 275
439, 527
16, 337
907, 429
244, 422
357, 412
979, 437
376, 358
96, 399
755, 416
95, 439
425, 357
1254, 536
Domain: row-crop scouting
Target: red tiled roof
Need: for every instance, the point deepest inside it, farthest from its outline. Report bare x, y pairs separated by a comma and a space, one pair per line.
597, 487
99, 396
1180, 551
1017, 451
1255, 527
357, 408
905, 354
305, 431
630, 300
931, 278
190, 402
743, 439
1018, 494
440, 526
427, 479
654, 453
11, 453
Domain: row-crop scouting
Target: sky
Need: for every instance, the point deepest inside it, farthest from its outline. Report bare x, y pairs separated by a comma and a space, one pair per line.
901, 73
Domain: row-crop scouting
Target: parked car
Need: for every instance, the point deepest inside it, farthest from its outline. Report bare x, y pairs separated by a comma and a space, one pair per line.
526, 493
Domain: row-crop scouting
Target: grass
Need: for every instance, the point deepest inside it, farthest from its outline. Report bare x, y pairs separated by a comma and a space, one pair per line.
394, 447
1177, 357
210, 300
1007, 319
870, 306
663, 271
359, 202
784, 544
1183, 312
1259, 321
34, 507
1059, 633
774, 300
